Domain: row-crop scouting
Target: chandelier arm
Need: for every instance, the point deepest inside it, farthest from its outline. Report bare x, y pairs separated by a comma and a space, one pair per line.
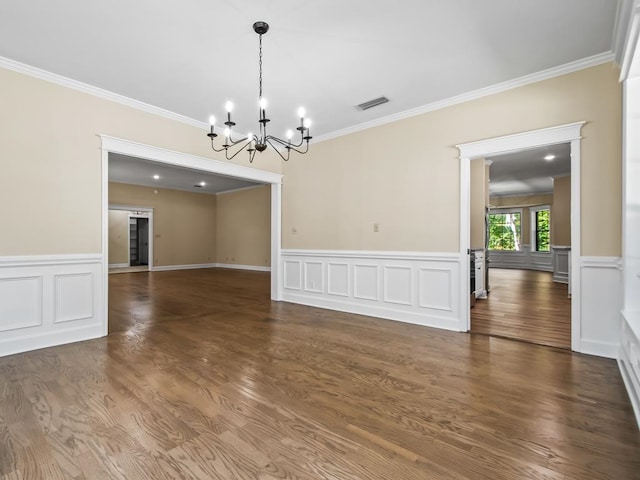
289, 146
216, 149
285, 143
278, 151
252, 154
242, 148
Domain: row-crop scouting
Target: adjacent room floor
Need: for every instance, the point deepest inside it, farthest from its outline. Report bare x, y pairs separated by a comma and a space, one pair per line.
524, 305
202, 377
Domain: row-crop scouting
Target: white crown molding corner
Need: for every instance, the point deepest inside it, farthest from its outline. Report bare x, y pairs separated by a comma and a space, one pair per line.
620, 28
98, 92
547, 74
628, 37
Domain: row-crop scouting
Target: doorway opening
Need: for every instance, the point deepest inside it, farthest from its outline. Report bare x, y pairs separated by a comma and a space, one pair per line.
565, 134
186, 162
520, 242
138, 241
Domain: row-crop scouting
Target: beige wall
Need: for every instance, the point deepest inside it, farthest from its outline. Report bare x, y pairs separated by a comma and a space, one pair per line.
477, 200
184, 223
50, 143
243, 223
561, 212
118, 237
405, 175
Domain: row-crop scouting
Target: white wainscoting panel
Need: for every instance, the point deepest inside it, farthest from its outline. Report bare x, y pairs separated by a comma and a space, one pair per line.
561, 262
420, 288
49, 300
524, 259
338, 279
629, 360
21, 302
600, 305
74, 297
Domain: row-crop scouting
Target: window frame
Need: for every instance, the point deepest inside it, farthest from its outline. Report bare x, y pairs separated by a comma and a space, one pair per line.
501, 211
533, 227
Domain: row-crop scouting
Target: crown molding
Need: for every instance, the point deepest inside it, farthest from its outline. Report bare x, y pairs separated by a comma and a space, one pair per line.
621, 28
465, 97
476, 94
98, 92
627, 38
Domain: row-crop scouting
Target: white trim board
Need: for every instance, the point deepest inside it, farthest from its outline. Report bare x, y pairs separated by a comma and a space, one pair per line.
570, 133
185, 160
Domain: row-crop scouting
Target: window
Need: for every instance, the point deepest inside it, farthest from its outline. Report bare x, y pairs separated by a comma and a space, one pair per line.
540, 229
504, 230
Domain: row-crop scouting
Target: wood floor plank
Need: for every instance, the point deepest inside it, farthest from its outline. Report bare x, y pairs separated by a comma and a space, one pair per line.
524, 305
202, 377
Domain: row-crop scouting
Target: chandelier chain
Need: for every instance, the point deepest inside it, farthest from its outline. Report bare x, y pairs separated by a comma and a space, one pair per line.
260, 64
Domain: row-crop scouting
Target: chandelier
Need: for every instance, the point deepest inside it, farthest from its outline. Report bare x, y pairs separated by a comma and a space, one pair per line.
258, 143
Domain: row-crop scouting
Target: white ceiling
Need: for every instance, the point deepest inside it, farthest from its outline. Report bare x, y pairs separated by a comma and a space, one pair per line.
189, 57
527, 172
124, 169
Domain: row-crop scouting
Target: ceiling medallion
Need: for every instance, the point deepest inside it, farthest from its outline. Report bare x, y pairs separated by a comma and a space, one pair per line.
259, 143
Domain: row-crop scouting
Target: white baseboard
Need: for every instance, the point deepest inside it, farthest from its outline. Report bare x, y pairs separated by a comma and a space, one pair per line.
600, 349
165, 268
255, 268
118, 265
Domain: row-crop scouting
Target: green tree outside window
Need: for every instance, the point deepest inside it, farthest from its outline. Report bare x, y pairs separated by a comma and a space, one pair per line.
504, 231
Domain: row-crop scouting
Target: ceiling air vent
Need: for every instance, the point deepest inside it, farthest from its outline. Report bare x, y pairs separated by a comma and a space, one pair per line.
372, 103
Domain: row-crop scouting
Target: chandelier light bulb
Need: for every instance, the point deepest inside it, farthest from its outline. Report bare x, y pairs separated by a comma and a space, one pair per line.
289, 134
307, 123
227, 132
302, 112
263, 103
229, 106
212, 120
250, 136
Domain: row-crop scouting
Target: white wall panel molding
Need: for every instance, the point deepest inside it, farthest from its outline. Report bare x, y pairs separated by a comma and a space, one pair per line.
413, 287
600, 305
48, 300
561, 263
629, 359
525, 259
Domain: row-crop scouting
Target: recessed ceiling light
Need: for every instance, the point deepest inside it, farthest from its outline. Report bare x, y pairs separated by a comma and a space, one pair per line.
549, 157
156, 177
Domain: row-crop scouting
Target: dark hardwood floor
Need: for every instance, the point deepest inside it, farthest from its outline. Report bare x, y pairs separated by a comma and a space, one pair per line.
202, 377
524, 305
